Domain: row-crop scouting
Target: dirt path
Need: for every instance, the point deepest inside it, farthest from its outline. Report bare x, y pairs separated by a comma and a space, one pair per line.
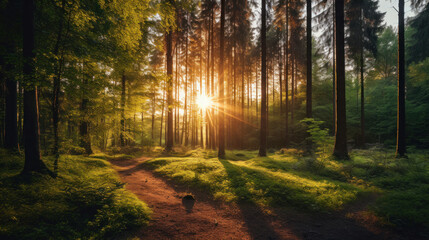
214, 220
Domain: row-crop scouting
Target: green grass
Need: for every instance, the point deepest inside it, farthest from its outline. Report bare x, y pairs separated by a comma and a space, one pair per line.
269, 181
86, 201
287, 178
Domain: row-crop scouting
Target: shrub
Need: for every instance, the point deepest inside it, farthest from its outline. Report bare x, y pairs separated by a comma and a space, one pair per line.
85, 201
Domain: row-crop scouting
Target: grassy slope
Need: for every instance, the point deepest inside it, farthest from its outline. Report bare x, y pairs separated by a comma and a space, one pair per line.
85, 201
290, 179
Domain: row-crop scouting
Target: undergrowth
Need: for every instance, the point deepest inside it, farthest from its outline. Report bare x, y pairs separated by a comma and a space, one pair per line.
86, 201
290, 177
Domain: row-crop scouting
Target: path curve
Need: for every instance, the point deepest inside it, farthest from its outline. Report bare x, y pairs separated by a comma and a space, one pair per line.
216, 220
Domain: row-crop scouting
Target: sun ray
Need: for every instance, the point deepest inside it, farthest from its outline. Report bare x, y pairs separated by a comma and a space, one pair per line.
204, 102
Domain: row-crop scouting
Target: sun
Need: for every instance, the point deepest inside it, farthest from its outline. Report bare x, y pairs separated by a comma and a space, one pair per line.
204, 102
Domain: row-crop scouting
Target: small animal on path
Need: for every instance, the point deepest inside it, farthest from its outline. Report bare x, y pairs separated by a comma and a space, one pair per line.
188, 201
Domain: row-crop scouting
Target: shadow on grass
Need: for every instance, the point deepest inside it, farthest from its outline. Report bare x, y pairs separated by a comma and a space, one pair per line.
285, 202
256, 221
299, 224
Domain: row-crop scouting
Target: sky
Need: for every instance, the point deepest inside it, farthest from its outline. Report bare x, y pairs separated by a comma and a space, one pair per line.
387, 6
391, 17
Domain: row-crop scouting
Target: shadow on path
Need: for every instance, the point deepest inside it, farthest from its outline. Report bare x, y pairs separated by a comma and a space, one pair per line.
213, 219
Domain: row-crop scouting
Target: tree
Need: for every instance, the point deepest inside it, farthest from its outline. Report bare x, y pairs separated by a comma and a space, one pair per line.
309, 112
9, 23
418, 50
56, 86
400, 131
400, 135
340, 147
122, 127
169, 60
85, 138
364, 24
263, 130
221, 150
33, 161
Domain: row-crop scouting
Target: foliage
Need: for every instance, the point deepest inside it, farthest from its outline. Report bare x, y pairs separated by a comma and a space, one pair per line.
418, 104
320, 137
418, 48
85, 201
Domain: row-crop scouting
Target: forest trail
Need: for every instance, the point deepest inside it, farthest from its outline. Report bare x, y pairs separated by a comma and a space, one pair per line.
216, 220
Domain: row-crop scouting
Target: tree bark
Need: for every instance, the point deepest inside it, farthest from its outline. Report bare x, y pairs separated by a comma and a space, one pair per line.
33, 161
362, 101
169, 57
221, 134
292, 105
212, 88
201, 92
263, 131
57, 87
241, 136
340, 147
207, 112
334, 105
85, 139
286, 46
162, 115
400, 137
153, 118
122, 127
185, 129
309, 109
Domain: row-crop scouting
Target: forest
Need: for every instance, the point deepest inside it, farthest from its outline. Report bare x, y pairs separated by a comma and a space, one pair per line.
214, 119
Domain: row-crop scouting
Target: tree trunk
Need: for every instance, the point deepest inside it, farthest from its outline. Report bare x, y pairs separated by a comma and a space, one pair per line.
162, 116
340, 148
309, 109
176, 96
292, 105
153, 119
263, 131
212, 88
33, 161
201, 93
122, 127
256, 90
185, 129
2, 108
334, 105
400, 139
221, 135
281, 84
241, 138
85, 139
169, 57
235, 132
20, 115
286, 46
362, 101
57, 88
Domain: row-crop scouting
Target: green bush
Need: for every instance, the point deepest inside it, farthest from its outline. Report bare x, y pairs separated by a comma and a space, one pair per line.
319, 137
85, 201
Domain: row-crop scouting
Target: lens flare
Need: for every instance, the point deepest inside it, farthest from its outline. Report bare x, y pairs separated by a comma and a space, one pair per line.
204, 102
